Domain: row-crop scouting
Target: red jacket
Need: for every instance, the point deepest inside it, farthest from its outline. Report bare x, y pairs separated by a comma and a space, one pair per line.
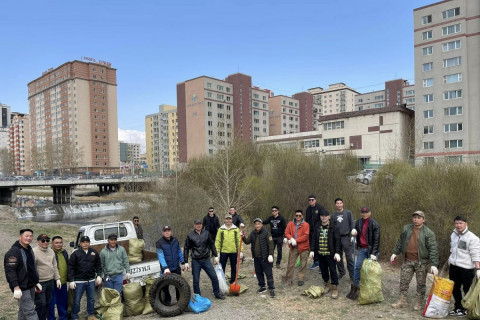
302, 235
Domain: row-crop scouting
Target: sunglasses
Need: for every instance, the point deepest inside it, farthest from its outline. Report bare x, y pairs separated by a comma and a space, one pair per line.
311, 199
210, 211
274, 210
136, 220
298, 215
44, 240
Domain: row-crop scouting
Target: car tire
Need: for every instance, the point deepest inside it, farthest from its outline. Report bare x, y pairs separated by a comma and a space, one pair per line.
365, 181
184, 291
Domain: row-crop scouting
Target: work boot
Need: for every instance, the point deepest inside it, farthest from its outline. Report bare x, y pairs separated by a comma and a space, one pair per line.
334, 292
419, 304
92, 317
402, 302
356, 293
349, 295
326, 287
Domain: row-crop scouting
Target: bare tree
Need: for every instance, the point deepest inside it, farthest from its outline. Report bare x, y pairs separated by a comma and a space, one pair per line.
7, 162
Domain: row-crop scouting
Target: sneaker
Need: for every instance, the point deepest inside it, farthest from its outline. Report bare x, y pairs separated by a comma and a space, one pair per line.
314, 265
272, 293
458, 312
261, 290
300, 283
220, 296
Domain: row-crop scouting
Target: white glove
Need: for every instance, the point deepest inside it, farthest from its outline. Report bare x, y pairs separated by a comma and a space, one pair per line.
352, 239
478, 274
216, 260
373, 257
242, 225
336, 257
289, 241
285, 240
39, 286
354, 232
294, 242
241, 255
434, 270
187, 267
17, 294
73, 285
127, 276
59, 284
98, 280
270, 259
311, 254
393, 257
166, 271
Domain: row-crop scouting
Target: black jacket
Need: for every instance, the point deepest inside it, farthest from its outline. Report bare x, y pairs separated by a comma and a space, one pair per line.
373, 235
266, 243
277, 225
312, 215
333, 239
16, 269
200, 244
84, 266
237, 219
211, 224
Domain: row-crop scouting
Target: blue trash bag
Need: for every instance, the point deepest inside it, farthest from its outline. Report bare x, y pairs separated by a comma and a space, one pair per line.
199, 304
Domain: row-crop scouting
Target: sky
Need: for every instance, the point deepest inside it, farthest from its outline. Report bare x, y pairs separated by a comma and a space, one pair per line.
286, 46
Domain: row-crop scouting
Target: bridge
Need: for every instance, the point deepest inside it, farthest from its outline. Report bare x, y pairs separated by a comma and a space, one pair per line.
64, 189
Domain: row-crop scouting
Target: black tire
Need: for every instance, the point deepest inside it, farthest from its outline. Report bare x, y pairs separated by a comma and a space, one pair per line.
181, 286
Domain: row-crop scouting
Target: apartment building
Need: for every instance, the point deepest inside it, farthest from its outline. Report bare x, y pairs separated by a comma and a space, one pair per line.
337, 98
447, 74
129, 152
75, 104
20, 143
284, 115
396, 92
5, 116
162, 139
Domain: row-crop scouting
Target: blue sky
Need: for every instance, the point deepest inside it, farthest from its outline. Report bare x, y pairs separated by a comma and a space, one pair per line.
286, 46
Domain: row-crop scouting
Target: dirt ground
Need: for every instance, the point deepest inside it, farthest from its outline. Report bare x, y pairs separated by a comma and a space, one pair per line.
288, 304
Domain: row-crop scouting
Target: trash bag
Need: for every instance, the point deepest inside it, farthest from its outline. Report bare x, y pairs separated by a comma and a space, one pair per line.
133, 296
222, 282
471, 301
135, 250
439, 298
370, 282
199, 304
110, 305
314, 292
148, 284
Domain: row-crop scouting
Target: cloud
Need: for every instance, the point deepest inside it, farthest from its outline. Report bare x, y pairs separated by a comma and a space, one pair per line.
133, 136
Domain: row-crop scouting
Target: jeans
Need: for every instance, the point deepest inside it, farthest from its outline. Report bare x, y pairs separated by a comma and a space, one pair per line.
278, 243
26, 308
460, 276
60, 298
261, 267
224, 257
114, 282
88, 286
347, 247
362, 255
42, 299
327, 264
206, 265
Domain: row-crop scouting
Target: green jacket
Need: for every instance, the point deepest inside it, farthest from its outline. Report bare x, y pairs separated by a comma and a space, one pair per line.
427, 244
227, 240
114, 261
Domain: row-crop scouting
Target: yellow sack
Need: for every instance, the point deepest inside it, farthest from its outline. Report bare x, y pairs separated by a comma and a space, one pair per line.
370, 282
110, 305
439, 298
133, 296
314, 292
148, 284
135, 250
471, 301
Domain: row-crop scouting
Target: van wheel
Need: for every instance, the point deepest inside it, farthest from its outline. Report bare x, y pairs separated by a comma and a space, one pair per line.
157, 296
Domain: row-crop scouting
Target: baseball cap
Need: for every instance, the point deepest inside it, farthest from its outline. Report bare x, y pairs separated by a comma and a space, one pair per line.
228, 216
324, 213
197, 221
166, 228
43, 237
365, 209
312, 196
112, 236
85, 239
419, 213
257, 220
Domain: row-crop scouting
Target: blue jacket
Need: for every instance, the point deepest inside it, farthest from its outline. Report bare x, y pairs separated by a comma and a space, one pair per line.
169, 253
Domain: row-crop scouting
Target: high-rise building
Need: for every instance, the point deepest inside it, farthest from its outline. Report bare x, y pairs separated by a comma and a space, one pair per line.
75, 105
20, 142
447, 77
397, 92
5, 116
284, 115
337, 98
129, 152
162, 139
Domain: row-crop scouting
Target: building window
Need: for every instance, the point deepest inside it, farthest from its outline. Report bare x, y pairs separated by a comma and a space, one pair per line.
452, 78
379, 97
457, 143
428, 97
427, 19
452, 45
333, 125
456, 61
410, 92
428, 145
334, 142
428, 82
219, 88
379, 105
427, 51
410, 100
427, 35
311, 144
453, 111
456, 28
450, 13
428, 130
209, 85
453, 127
454, 94
454, 159
428, 66
427, 114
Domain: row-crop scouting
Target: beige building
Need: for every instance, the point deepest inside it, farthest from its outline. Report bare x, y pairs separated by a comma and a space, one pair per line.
337, 98
75, 104
447, 77
162, 139
284, 115
20, 143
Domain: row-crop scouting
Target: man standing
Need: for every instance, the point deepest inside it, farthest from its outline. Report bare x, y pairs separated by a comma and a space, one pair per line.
297, 234
312, 217
170, 257
200, 243
48, 275
262, 253
84, 272
368, 244
114, 261
418, 245
277, 229
138, 227
21, 274
326, 243
344, 224
211, 223
464, 262
236, 218
60, 296
227, 243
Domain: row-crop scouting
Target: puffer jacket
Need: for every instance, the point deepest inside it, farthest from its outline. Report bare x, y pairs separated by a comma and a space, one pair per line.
200, 244
464, 249
227, 240
301, 237
427, 244
169, 253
